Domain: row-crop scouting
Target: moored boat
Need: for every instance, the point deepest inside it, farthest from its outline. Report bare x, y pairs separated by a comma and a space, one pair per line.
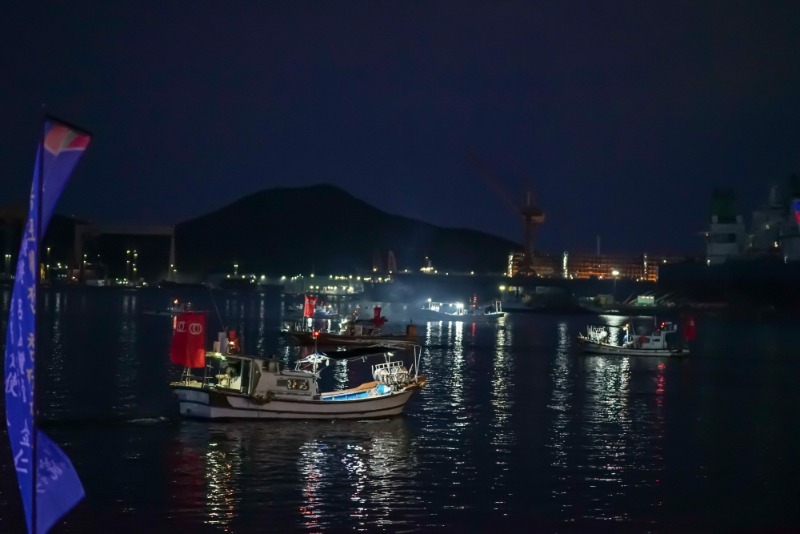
248, 387
457, 311
354, 332
352, 335
664, 339
171, 311
310, 310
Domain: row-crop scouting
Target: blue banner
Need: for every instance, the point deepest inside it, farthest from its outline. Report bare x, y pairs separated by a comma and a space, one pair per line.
57, 486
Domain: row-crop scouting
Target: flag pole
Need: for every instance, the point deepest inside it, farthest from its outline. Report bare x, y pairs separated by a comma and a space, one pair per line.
34, 401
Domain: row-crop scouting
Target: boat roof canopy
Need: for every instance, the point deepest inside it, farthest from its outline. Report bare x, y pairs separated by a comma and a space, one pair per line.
223, 357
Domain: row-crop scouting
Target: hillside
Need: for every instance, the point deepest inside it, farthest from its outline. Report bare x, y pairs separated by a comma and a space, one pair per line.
324, 229
283, 231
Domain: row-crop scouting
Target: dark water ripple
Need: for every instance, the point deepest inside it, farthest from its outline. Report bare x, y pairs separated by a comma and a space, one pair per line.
514, 429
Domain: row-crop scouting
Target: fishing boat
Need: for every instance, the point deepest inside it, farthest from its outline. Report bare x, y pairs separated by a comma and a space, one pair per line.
663, 339
235, 386
456, 311
640, 305
320, 312
353, 332
311, 310
358, 335
171, 311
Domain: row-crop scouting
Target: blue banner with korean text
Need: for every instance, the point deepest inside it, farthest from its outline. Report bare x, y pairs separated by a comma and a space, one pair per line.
57, 487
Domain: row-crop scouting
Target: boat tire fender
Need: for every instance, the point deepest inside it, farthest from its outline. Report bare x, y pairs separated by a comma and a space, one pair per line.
264, 399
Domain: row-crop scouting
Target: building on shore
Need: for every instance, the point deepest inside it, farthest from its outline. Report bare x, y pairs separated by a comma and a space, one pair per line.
774, 231
643, 267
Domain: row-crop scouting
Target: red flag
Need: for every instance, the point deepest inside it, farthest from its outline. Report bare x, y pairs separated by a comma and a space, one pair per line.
308, 309
377, 319
189, 340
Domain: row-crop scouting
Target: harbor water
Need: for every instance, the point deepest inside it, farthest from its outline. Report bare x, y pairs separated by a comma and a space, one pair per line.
514, 429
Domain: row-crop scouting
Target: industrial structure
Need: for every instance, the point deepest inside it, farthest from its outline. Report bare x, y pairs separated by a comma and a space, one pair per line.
774, 230
531, 213
94, 250
643, 267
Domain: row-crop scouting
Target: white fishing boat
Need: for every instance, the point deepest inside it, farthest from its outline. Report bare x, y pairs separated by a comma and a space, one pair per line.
457, 311
663, 339
247, 387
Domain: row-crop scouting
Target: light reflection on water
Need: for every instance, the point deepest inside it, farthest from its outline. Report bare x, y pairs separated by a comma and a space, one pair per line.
561, 402
514, 428
340, 375
321, 468
502, 438
612, 447
261, 315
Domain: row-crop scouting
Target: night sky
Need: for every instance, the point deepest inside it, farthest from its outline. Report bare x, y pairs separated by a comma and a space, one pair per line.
622, 116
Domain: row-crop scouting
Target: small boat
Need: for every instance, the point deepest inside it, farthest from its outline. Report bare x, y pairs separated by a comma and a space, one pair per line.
310, 309
320, 312
661, 340
456, 311
235, 386
354, 332
355, 337
171, 311
641, 305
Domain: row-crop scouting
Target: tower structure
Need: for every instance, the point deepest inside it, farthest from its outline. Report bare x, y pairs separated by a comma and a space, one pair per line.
531, 213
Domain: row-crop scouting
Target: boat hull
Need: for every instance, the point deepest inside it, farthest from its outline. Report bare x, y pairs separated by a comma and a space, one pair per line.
336, 340
209, 404
592, 347
432, 316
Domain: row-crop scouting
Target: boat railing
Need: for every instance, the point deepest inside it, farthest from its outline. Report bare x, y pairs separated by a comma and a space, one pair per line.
392, 373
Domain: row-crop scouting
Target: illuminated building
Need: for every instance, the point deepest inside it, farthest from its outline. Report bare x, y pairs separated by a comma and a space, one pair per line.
642, 267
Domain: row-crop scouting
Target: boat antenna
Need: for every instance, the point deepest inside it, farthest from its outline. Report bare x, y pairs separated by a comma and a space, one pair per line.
216, 309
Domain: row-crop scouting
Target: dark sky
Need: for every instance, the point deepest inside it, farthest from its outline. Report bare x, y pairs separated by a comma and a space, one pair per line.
622, 116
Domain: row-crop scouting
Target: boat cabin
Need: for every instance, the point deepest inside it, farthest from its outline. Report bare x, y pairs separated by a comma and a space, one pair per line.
663, 335
257, 377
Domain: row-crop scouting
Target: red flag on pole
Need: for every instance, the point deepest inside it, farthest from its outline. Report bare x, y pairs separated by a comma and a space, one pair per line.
189, 340
377, 318
308, 309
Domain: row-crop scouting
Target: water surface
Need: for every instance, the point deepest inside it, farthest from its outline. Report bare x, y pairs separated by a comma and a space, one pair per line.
514, 429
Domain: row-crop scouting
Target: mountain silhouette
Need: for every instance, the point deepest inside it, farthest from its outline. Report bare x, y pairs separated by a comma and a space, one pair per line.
283, 231
326, 230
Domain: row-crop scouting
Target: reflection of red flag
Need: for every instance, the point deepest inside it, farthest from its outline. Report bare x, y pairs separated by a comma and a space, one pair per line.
377, 319
189, 340
233, 342
689, 329
308, 309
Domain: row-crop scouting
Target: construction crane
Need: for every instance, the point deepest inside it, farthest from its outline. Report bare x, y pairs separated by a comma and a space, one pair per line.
532, 214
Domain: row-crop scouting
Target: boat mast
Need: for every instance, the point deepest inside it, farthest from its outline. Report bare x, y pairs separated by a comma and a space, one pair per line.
36, 286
